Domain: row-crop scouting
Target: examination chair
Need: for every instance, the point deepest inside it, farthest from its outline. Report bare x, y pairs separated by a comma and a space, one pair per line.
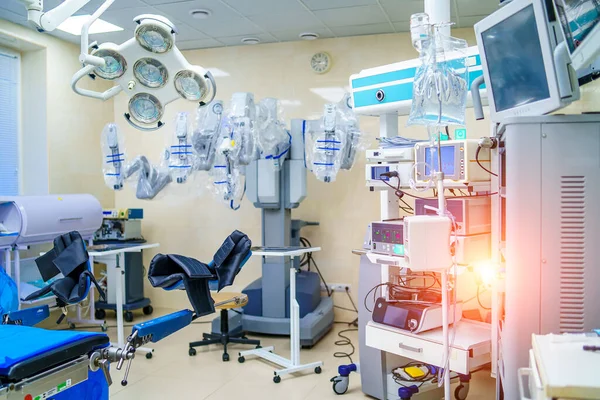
37, 363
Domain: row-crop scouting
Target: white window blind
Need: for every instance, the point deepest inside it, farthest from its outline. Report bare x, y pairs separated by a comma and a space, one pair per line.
9, 124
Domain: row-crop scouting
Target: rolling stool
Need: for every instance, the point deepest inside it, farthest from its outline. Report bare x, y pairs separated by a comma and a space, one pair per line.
225, 302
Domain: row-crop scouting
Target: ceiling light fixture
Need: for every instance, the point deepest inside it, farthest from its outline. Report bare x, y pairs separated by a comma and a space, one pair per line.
74, 24
200, 13
250, 40
308, 36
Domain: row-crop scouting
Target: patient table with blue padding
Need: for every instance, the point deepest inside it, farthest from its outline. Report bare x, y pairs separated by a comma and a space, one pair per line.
39, 363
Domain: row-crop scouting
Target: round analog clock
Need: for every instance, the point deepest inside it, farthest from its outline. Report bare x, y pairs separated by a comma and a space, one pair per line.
320, 62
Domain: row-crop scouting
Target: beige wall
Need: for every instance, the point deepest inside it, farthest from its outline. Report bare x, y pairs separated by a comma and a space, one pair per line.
195, 225
73, 123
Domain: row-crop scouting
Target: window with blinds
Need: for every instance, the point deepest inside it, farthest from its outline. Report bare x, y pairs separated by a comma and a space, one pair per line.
9, 123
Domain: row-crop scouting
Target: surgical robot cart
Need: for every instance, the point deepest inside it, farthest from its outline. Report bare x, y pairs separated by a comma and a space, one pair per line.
276, 193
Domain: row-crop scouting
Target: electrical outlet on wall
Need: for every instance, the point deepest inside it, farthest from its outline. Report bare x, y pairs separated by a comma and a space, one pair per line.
336, 287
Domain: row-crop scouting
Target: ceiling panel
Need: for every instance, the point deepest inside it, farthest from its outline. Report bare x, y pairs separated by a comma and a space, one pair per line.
258, 7
237, 40
401, 10
278, 22
181, 10
198, 44
233, 27
402, 26
93, 5
469, 8
124, 17
369, 29
361, 15
325, 4
292, 34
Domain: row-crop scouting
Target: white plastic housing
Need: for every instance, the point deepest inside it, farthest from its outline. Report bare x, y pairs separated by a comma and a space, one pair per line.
39, 219
427, 243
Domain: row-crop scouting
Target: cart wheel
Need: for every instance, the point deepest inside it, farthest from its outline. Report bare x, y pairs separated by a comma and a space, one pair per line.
340, 384
71, 326
148, 310
149, 355
318, 370
241, 359
128, 316
461, 392
100, 314
104, 328
192, 352
276, 379
225, 357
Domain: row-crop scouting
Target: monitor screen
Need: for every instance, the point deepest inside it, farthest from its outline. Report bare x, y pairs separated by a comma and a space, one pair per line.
431, 159
578, 18
514, 61
395, 316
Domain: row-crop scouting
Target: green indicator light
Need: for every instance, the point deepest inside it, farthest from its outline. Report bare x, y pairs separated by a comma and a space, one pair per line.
460, 134
399, 249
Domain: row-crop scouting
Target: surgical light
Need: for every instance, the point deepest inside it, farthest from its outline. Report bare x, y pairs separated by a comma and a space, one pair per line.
150, 72
155, 33
190, 85
114, 64
145, 108
149, 68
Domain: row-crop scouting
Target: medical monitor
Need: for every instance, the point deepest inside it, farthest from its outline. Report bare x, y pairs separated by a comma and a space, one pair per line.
579, 20
517, 56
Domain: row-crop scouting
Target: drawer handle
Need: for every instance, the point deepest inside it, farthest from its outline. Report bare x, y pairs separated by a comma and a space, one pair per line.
410, 348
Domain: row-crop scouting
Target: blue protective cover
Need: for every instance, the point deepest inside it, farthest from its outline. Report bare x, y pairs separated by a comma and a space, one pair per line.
161, 327
9, 300
19, 343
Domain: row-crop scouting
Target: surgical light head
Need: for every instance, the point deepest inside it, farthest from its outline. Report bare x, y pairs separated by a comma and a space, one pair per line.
150, 69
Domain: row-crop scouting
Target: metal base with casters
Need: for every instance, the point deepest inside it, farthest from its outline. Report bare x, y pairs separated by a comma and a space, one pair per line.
293, 363
226, 336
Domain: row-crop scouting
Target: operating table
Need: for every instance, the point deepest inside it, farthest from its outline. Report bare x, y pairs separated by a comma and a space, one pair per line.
38, 364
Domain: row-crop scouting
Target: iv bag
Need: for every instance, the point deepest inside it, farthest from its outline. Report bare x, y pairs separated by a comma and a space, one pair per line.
440, 83
113, 156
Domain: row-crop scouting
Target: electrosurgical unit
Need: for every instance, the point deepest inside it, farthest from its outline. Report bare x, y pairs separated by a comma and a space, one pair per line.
387, 237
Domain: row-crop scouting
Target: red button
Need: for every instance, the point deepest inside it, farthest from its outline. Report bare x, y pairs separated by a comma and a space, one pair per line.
28, 397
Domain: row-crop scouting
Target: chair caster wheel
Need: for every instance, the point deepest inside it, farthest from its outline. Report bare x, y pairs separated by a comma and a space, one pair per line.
192, 352
276, 379
123, 383
241, 359
104, 328
148, 355
148, 310
225, 357
129, 316
318, 370
100, 314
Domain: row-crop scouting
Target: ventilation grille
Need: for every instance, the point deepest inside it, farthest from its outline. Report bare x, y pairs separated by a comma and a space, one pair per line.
572, 253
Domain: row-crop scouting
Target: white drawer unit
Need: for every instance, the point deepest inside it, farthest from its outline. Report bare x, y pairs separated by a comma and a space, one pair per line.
471, 348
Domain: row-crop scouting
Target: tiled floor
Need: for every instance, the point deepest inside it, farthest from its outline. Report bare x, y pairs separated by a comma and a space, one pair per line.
173, 374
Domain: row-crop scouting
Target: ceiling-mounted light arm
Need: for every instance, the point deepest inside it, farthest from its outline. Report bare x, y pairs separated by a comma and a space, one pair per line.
88, 69
85, 57
50, 20
213, 88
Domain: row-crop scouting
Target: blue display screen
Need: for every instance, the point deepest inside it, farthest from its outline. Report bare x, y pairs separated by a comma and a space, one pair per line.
377, 171
431, 158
